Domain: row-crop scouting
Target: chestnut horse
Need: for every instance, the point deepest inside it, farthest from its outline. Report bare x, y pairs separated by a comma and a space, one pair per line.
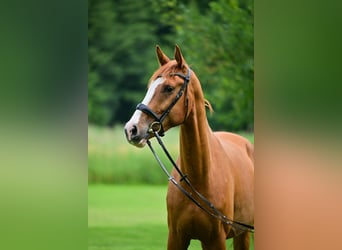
219, 165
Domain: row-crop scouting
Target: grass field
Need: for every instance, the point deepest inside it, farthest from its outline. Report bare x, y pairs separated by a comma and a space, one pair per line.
112, 160
121, 216
129, 217
126, 217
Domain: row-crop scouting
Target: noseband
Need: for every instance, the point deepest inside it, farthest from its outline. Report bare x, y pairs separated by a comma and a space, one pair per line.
157, 125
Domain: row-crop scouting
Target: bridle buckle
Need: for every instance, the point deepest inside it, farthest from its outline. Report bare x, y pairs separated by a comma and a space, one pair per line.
155, 127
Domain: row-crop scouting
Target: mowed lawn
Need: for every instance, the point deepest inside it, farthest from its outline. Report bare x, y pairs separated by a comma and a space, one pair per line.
126, 217
131, 217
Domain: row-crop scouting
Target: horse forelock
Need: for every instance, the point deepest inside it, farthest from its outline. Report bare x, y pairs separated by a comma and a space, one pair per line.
166, 69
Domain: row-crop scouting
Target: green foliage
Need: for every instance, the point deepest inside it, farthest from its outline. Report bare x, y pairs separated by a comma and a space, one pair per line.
222, 56
216, 38
121, 41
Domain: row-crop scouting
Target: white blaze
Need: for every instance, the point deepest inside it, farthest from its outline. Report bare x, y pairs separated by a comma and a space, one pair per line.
148, 97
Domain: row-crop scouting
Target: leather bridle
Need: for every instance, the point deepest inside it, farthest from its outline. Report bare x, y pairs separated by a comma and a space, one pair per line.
157, 125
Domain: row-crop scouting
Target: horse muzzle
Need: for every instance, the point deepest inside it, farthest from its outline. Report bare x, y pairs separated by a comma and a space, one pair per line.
135, 135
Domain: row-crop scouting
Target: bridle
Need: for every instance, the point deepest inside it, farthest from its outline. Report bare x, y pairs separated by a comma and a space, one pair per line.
157, 125
157, 129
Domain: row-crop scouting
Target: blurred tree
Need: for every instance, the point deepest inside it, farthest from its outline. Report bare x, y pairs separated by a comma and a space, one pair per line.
216, 38
101, 20
220, 47
121, 42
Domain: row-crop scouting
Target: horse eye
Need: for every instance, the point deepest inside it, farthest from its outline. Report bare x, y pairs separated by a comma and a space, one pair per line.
168, 89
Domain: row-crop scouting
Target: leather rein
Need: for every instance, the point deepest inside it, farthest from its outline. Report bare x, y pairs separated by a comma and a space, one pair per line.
156, 127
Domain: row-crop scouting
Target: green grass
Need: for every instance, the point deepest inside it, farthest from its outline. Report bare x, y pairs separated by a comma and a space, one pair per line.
126, 217
129, 218
112, 160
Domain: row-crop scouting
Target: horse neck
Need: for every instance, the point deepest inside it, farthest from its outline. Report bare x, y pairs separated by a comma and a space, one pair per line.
194, 143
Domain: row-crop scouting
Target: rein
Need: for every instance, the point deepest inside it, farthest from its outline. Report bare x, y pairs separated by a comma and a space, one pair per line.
213, 211
156, 127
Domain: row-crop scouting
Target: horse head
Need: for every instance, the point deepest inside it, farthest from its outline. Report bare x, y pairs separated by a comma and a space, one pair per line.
166, 103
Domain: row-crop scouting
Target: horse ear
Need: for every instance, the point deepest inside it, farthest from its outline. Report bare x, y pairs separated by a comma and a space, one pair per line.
179, 57
162, 58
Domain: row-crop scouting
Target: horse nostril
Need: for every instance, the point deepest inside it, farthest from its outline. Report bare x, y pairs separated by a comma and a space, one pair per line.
134, 130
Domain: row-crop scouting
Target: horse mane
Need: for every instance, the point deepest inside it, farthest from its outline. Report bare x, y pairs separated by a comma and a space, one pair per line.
208, 105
